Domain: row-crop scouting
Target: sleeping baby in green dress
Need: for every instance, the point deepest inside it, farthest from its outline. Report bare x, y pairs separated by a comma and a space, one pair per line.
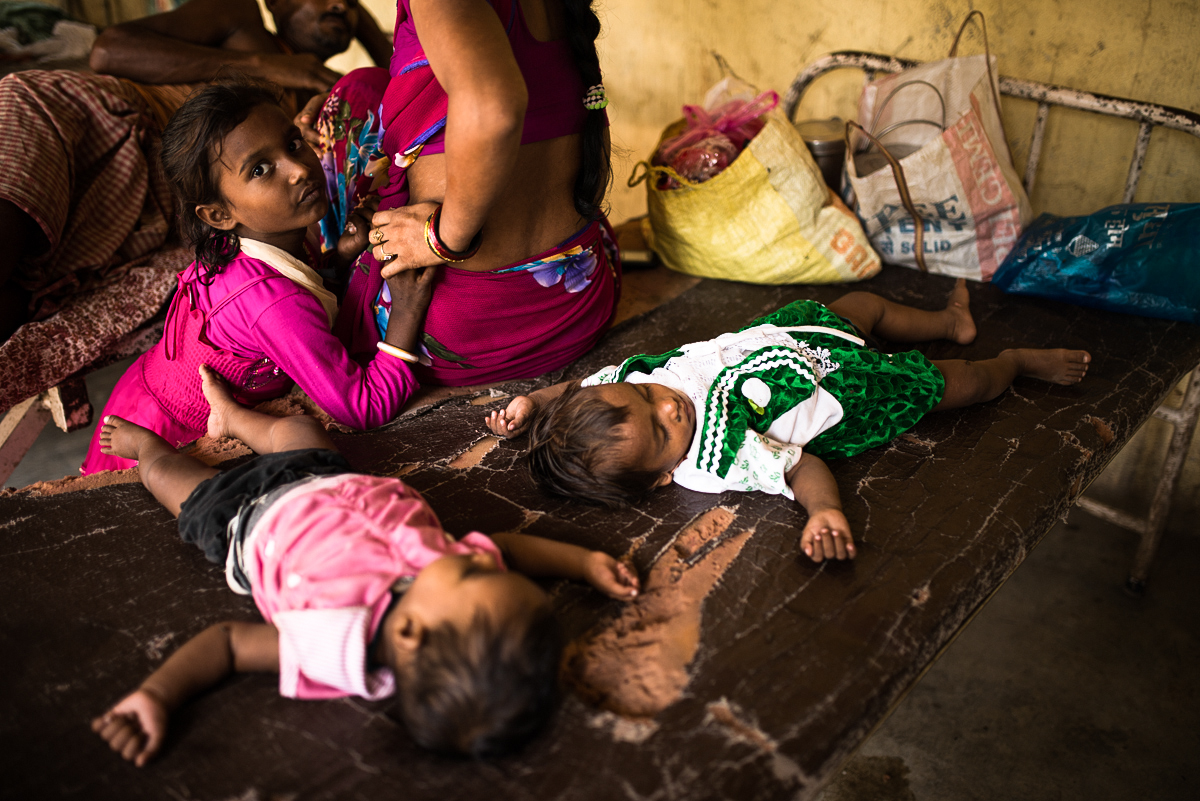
761, 408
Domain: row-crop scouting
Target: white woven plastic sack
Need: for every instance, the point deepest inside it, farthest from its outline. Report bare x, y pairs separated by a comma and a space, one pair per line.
961, 179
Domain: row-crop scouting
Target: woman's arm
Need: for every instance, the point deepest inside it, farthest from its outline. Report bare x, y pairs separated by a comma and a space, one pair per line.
135, 727
537, 556
469, 53
827, 533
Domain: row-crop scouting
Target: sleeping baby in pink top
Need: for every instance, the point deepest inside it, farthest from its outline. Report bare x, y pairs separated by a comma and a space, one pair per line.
362, 591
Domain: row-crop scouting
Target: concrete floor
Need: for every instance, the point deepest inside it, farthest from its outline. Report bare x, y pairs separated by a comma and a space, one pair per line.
1063, 687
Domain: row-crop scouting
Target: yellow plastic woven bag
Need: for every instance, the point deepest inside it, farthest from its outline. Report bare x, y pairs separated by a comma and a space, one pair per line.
767, 218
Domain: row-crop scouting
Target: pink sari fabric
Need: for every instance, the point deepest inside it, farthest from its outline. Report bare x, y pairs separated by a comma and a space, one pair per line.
517, 321
522, 320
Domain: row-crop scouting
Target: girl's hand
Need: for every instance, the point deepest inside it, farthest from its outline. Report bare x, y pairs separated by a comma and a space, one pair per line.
135, 727
353, 240
306, 120
614, 579
827, 536
397, 238
512, 421
412, 290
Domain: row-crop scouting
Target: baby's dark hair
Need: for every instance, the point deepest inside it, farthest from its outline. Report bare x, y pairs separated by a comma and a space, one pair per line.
485, 691
571, 453
191, 144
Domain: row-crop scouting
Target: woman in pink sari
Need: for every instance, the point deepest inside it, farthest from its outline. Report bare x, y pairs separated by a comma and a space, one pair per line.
497, 157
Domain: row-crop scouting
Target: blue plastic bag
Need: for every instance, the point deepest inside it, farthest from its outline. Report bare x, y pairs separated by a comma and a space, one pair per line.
1139, 259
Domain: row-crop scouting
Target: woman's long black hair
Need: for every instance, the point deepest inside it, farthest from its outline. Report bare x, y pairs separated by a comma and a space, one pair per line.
595, 172
191, 143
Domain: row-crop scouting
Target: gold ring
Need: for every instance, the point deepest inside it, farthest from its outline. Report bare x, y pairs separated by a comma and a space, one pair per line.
386, 256
378, 240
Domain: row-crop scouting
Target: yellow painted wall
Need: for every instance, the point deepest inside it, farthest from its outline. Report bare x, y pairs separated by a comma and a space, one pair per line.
656, 58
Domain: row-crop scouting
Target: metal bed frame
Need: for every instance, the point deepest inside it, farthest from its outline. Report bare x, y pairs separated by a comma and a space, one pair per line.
1184, 418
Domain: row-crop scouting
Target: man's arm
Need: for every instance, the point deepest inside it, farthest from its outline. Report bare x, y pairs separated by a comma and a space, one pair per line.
377, 43
195, 41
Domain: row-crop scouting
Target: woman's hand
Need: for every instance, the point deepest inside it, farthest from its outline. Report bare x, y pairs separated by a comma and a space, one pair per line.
397, 238
306, 120
614, 579
135, 727
513, 420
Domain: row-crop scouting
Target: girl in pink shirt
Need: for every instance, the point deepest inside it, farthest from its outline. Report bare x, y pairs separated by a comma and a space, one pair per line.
362, 590
248, 187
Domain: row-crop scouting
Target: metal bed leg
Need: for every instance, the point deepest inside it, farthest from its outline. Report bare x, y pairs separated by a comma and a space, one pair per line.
1184, 420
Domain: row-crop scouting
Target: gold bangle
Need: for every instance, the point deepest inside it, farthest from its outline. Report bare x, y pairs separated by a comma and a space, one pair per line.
399, 353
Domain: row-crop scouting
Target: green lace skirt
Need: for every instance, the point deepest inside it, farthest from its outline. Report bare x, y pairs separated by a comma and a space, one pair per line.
882, 394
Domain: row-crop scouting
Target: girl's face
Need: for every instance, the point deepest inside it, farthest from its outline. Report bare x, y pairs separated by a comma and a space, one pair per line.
270, 180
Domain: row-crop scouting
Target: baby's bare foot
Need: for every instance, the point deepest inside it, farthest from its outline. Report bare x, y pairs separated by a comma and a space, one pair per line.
959, 308
1059, 366
220, 401
119, 437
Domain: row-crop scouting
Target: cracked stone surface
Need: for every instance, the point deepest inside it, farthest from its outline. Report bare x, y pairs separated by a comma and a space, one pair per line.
793, 663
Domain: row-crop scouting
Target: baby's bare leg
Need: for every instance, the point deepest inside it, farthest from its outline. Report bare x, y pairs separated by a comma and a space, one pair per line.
970, 382
168, 474
261, 432
901, 323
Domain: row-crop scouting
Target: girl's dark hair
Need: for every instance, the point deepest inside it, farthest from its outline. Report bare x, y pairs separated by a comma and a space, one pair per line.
485, 691
191, 144
571, 451
595, 172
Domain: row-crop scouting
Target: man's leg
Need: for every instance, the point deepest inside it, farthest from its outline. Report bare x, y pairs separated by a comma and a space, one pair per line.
23, 239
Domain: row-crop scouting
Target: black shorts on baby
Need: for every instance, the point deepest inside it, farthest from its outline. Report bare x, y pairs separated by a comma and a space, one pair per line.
229, 497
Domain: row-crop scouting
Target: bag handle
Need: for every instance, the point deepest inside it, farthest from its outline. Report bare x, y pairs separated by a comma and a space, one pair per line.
656, 170
987, 52
879, 111
901, 185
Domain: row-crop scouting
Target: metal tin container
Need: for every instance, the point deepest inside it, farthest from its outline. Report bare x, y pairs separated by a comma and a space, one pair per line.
826, 140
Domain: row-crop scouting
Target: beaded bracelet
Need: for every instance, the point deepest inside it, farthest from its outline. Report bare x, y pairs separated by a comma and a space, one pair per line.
399, 353
441, 251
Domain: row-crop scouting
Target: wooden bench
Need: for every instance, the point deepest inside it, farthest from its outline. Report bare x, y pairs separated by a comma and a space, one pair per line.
795, 665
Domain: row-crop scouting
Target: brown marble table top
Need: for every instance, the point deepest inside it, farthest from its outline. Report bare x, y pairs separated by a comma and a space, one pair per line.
796, 663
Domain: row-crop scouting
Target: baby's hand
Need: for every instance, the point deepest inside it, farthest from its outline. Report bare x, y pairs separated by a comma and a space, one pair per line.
827, 536
614, 579
512, 421
135, 727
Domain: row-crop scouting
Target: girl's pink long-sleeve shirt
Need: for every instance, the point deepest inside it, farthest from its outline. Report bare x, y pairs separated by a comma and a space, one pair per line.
277, 320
